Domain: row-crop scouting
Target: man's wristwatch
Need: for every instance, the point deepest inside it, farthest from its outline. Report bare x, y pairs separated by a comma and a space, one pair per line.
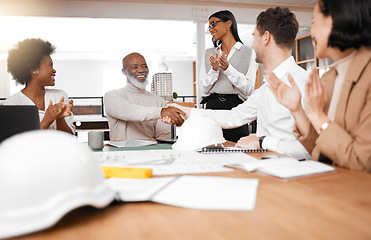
261, 141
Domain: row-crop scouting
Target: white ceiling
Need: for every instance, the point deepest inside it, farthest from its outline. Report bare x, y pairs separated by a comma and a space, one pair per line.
198, 11
294, 4
245, 11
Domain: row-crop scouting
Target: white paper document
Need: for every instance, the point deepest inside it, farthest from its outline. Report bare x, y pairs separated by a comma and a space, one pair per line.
198, 192
137, 190
171, 162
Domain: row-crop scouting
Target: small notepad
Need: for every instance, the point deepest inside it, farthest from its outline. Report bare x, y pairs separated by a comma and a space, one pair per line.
284, 168
228, 150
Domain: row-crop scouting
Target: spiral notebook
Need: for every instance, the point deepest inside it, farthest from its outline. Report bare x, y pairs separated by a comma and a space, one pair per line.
228, 150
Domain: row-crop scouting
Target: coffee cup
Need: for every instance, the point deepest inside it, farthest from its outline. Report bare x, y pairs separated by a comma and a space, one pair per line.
95, 140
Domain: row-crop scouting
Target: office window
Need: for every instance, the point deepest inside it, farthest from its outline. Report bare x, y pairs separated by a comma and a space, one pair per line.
90, 49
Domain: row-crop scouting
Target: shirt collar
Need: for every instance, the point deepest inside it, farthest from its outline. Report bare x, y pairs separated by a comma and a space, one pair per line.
237, 46
281, 70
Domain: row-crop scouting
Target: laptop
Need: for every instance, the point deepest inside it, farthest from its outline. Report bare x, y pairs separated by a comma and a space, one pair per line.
18, 118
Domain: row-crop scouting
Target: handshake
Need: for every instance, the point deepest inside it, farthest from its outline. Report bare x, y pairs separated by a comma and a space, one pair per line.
174, 114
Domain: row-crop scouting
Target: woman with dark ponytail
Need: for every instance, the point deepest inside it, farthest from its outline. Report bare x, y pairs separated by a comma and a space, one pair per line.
228, 71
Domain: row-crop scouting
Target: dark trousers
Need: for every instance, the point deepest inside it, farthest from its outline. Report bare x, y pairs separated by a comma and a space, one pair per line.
227, 102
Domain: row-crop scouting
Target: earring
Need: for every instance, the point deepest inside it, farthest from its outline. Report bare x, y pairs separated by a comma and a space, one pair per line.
227, 29
35, 72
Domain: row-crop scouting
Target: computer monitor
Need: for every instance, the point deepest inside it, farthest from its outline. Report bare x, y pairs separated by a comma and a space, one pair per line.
18, 118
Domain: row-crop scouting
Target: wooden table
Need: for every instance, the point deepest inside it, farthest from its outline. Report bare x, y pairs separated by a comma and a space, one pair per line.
330, 206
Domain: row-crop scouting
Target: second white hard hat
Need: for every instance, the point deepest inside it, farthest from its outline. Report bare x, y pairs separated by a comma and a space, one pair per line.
198, 131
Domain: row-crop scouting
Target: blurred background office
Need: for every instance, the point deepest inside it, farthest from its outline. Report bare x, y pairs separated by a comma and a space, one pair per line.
93, 36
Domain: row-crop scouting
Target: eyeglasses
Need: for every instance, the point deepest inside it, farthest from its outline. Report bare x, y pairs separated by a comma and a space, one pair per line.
212, 24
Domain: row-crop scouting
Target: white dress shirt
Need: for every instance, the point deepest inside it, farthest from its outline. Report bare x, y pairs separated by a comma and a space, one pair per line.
273, 119
244, 84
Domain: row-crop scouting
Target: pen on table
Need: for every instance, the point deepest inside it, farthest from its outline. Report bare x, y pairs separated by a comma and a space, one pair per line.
278, 156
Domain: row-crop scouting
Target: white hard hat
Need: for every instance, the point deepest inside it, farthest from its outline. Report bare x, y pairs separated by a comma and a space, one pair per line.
198, 131
44, 174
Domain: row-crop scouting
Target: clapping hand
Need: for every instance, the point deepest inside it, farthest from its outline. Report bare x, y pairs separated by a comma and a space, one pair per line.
315, 95
214, 61
223, 62
218, 61
58, 111
66, 108
288, 96
52, 112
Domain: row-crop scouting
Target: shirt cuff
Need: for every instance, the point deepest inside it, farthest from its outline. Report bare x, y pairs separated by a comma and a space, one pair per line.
229, 70
270, 143
195, 111
213, 72
156, 112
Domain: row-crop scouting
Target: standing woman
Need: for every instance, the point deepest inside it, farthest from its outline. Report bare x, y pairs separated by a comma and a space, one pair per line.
335, 126
31, 65
228, 76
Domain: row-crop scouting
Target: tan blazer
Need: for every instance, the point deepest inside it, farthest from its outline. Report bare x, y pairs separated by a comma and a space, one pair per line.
347, 141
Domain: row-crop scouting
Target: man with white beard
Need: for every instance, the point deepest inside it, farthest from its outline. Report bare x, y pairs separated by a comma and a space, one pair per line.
132, 111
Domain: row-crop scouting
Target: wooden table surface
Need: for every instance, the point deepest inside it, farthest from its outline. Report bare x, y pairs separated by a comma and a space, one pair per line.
330, 206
